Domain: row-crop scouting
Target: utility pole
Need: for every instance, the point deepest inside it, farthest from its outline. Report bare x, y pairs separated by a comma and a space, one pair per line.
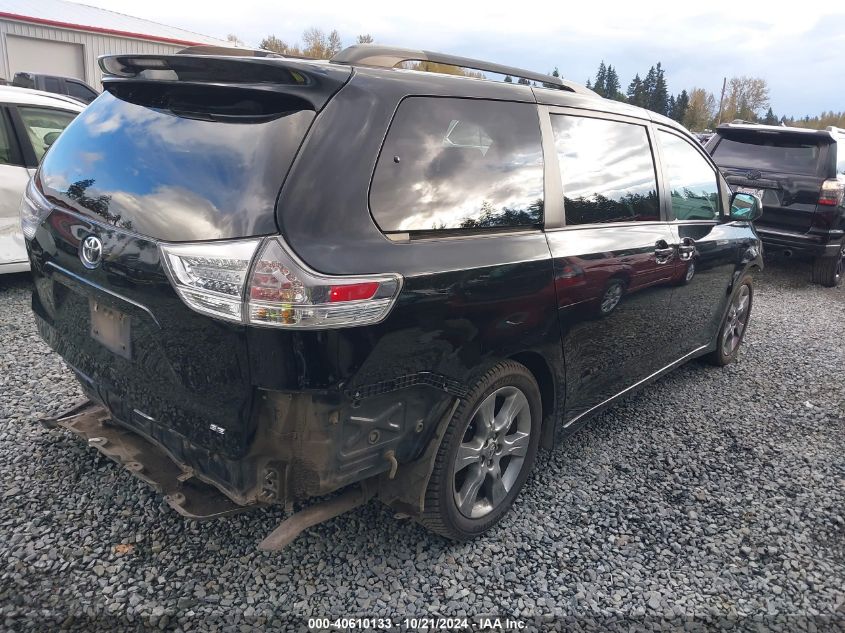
721, 101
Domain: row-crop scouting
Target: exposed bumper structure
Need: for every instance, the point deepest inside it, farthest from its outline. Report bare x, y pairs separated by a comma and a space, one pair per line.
182, 489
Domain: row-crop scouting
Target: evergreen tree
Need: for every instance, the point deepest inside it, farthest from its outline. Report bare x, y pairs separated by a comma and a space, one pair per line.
770, 118
670, 107
508, 79
658, 100
611, 84
678, 106
636, 92
555, 72
589, 85
601, 78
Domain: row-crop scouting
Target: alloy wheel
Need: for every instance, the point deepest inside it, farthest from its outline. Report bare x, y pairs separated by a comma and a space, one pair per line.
736, 321
492, 452
611, 298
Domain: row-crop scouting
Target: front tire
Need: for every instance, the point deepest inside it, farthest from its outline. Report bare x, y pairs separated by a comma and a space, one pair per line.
486, 454
734, 324
829, 271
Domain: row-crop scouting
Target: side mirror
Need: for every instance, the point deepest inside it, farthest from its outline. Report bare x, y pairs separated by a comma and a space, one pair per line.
745, 207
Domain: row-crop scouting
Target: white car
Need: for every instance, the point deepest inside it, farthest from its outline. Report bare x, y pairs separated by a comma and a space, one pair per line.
30, 121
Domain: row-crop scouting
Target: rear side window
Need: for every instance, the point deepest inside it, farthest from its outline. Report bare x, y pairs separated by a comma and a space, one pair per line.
607, 170
692, 181
75, 89
769, 152
51, 84
459, 164
43, 126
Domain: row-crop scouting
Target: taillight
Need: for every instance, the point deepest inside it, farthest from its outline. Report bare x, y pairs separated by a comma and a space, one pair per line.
284, 292
34, 209
210, 276
214, 278
832, 193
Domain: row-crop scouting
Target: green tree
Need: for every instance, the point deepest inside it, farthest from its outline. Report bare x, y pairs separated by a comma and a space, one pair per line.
678, 106
770, 118
658, 96
612, 86
636, 92
601, 80
508, 79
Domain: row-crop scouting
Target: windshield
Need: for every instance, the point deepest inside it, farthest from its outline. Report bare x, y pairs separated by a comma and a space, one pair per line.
775, 153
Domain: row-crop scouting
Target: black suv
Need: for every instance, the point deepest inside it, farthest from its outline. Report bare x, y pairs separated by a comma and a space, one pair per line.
800, 176
276, 278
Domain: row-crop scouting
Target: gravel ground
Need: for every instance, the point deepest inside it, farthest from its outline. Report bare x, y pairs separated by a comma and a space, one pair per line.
715, 493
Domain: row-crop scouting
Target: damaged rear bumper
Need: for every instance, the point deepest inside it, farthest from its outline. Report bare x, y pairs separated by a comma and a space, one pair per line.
181, 487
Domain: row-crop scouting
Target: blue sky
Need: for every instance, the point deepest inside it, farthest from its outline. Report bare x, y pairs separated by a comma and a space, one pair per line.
799, 48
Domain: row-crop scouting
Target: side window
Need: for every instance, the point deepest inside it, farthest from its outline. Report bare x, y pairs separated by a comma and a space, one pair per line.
607, 170
51, 84
692, 181
459, 164
43, 126
76, 89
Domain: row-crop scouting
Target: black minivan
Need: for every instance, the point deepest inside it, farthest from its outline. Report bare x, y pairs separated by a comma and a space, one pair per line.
275, 278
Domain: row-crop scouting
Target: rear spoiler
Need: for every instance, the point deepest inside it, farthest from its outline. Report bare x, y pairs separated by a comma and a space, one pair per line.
311, 82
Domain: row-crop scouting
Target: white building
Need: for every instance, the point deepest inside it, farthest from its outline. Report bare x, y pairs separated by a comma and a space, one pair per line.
56, 37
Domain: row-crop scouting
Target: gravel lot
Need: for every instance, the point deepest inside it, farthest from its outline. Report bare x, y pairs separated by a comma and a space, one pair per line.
715, 493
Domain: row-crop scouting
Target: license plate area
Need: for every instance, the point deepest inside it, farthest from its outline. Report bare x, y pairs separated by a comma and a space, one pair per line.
111, 328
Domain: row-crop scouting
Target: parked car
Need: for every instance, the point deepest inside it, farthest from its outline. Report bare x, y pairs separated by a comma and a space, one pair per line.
366, 277
800, 176
69, 86
30, 121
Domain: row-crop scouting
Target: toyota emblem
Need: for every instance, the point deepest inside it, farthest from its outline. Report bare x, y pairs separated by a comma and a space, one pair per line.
91, 251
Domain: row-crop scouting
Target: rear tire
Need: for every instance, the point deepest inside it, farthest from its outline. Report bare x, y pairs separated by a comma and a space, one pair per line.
486, 454
734, 324
829, 271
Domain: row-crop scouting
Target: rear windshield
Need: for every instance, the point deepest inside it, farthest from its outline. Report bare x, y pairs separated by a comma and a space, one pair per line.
174, 177
775, 152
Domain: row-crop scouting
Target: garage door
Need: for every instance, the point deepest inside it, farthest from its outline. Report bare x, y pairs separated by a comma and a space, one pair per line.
45, 56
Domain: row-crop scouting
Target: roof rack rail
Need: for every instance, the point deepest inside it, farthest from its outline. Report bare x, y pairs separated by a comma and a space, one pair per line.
390, 56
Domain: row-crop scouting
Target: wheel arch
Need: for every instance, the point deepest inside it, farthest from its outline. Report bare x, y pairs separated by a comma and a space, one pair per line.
535, 363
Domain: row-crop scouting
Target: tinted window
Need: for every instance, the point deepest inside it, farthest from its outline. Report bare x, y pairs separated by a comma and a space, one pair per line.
173, 177
51, 84
79, 91
607, 171
459, 164
769, 152
43, 126
692, 181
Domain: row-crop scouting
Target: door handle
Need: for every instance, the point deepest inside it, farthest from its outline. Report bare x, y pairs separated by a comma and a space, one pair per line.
663, 252
686, 249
